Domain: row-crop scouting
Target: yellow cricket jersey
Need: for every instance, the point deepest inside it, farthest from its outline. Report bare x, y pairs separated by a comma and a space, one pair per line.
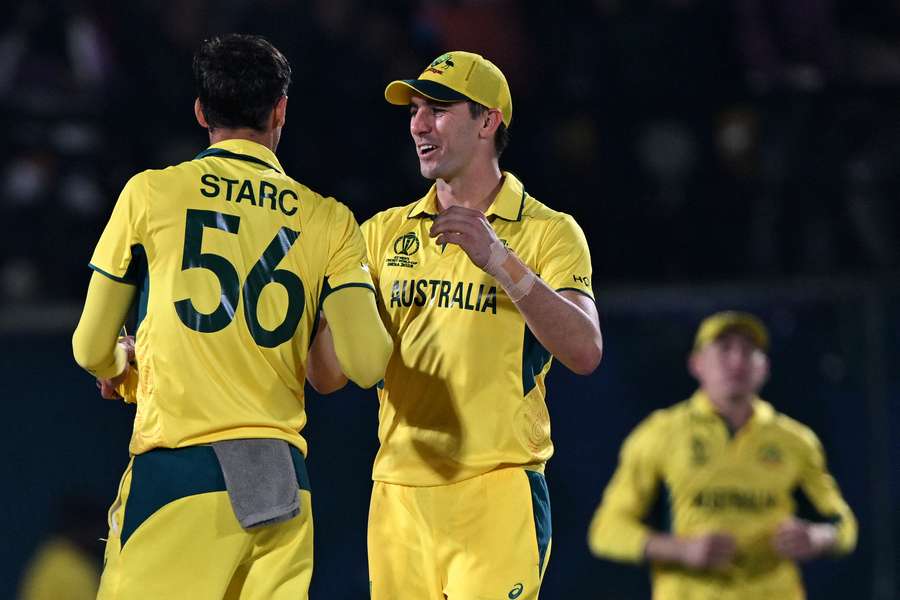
741, 485
60, 569
233, 259
464, 390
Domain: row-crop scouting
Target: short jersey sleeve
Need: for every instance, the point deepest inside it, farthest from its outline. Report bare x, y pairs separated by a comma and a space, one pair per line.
123, 237
370, 233
347, 263
564, 262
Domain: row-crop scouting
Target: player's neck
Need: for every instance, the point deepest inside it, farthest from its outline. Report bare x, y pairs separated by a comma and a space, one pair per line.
735, 410
475, 188
264, 138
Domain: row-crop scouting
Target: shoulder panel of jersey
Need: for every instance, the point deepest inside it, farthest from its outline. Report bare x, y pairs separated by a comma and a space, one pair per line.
654, 429
796, 430
562, 256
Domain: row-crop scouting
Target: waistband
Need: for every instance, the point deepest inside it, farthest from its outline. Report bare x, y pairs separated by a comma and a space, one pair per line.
163, 475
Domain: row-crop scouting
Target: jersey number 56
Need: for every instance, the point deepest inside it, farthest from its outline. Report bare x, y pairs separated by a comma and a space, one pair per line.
262, 274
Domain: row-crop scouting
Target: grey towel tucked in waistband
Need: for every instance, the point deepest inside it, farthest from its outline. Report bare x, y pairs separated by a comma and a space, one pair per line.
261, 481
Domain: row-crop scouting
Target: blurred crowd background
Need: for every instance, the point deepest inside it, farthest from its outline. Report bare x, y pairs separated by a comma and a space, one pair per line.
695, 139
749, 147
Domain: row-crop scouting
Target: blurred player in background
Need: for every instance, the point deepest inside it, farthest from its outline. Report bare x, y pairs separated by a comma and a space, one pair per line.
66, 566
230, 261
729, 465
479, 285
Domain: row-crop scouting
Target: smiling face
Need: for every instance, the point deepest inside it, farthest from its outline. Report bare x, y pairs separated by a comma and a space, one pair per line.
446, 137
730, 368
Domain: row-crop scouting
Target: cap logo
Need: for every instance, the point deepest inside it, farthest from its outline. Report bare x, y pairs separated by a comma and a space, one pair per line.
441, 64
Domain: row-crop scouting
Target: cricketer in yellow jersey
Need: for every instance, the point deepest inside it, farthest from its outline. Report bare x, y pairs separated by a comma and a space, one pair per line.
60, 569
480, 285
231, 262
67, 564
729, 465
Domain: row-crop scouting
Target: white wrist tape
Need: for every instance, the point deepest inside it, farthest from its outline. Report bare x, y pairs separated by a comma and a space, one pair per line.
515, 290
499, 254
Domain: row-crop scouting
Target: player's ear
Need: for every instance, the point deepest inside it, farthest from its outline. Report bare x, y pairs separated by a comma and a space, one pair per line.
198, 113
693, 364
279, 113
490, 121
766, 368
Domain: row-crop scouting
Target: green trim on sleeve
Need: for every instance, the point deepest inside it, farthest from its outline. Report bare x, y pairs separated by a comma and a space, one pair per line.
137, 267
110, 275
327, 290
571, 289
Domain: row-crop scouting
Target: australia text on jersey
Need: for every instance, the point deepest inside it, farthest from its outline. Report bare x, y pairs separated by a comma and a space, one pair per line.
444, 294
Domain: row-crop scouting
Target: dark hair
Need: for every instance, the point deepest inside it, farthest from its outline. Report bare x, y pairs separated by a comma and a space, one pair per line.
501, 137
239, 78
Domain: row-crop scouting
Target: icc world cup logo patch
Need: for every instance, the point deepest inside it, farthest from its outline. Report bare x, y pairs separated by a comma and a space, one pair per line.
407, 244
770, 454
404, 246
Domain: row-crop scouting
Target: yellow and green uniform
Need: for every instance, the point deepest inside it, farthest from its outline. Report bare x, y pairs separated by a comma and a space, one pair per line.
60, 569
173, 534
743, 485
464, 392
233, 260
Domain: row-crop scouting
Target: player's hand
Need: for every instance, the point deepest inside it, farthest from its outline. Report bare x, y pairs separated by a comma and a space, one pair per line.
796, 539
108, 387
709, 551
467, 228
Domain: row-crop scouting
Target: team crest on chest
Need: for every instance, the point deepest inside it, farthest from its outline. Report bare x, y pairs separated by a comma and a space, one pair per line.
770, 454
404, 246
699, 452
